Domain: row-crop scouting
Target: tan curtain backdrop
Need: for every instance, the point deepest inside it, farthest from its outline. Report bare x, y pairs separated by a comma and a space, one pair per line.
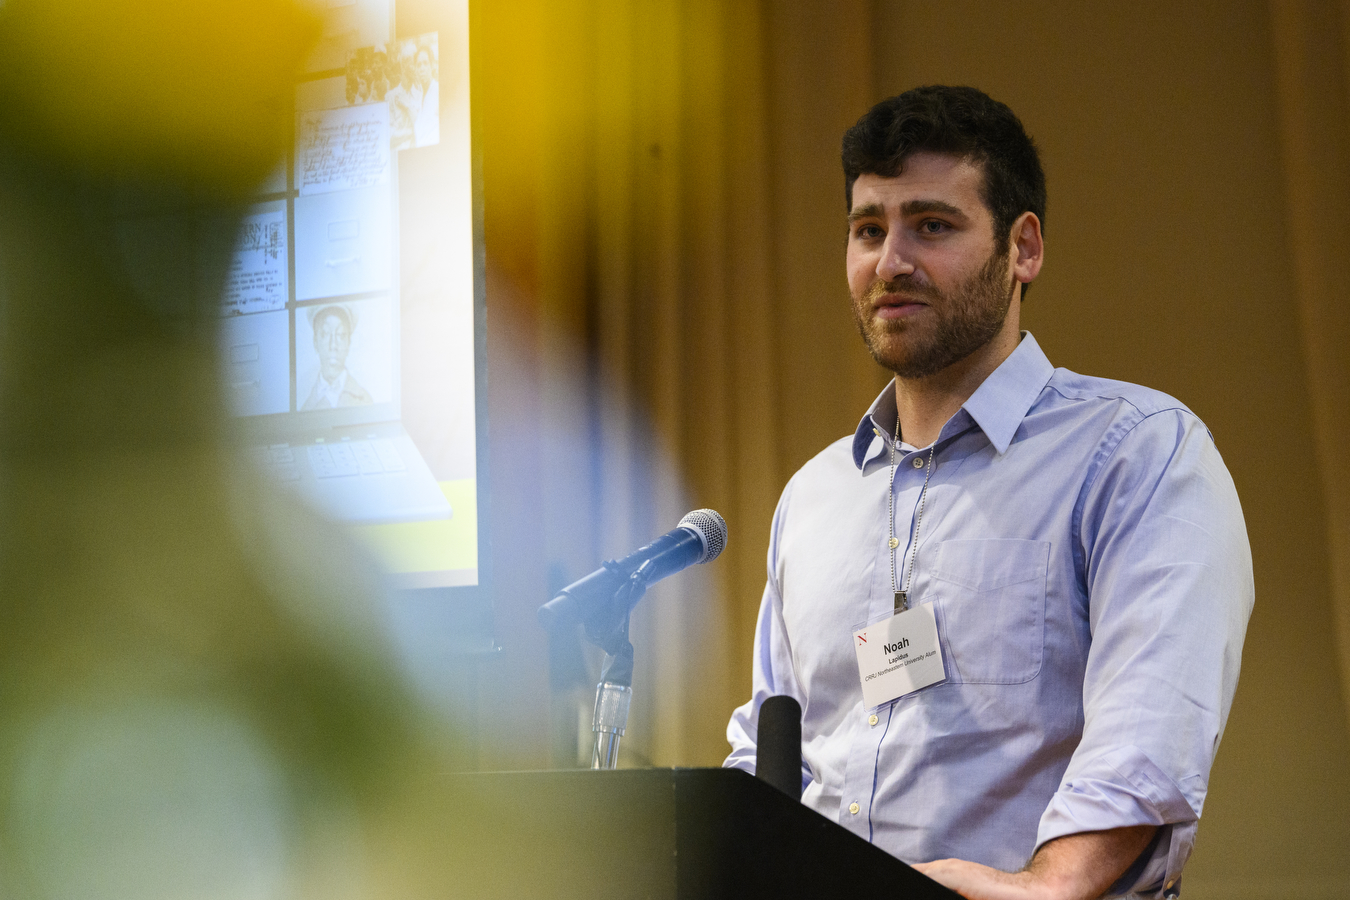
1312, 56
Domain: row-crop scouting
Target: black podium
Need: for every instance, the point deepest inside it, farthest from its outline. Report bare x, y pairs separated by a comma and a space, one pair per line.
664, 834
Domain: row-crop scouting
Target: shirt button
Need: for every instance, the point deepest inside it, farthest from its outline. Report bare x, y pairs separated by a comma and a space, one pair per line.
853, 808
877, 432
894, 542
872, 719
918, 462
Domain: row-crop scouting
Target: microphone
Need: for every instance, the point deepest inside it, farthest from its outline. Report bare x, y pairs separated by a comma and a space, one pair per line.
699, 538
778, 745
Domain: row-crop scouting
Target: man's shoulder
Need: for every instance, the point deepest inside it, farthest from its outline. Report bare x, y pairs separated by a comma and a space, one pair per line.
826, 491
1102, 415
1144, 401
827, 470
353, 394
836, 457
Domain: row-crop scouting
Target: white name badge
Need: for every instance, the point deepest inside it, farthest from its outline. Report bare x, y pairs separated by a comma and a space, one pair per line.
899, 655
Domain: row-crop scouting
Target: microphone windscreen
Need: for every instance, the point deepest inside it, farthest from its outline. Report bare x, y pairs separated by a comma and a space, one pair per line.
778, 751
711, 529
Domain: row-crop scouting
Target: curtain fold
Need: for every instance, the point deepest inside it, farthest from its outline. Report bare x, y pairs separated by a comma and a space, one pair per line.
1311, 39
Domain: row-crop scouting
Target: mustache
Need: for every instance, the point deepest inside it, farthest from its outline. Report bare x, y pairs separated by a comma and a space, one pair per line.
905, 285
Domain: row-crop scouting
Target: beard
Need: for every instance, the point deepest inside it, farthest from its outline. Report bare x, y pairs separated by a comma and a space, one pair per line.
965, 319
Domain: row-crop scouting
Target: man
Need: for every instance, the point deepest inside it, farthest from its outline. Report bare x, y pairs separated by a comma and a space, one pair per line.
404, 98
1071, 549
334, 385
427, 122
379, 75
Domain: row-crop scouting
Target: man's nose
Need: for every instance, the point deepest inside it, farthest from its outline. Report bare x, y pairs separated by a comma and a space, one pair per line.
896, 259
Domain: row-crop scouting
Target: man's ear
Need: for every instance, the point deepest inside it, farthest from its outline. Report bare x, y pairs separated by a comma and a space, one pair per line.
1028, 247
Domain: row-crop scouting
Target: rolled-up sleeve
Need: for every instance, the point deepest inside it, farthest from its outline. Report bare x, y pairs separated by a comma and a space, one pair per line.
1169, 583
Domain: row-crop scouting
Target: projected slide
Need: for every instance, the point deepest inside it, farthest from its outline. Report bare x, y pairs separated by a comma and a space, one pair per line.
349, 306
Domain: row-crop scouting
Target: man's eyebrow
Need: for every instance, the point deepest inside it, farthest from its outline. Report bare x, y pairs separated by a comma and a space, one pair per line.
869, 211
908, 208
919, 207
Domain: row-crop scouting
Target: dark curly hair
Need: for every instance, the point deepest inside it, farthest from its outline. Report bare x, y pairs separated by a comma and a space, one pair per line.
960, 121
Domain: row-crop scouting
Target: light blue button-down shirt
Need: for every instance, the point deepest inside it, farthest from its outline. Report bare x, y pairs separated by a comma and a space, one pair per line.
1084, 551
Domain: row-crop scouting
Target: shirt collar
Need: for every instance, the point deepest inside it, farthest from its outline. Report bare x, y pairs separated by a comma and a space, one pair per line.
998, 405
332, 390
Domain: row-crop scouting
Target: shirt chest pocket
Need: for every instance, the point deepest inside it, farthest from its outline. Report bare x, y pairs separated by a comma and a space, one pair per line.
990, 598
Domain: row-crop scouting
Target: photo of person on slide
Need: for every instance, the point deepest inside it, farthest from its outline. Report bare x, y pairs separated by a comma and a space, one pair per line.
334, 386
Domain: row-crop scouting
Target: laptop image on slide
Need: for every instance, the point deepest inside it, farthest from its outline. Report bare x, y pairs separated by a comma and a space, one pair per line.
312, 314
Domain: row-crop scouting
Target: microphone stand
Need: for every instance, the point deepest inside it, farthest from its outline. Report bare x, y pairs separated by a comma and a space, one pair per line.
609, 632
612, 696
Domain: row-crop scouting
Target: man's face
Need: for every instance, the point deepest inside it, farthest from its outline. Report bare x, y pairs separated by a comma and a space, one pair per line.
424, 67
331, 342
929, 284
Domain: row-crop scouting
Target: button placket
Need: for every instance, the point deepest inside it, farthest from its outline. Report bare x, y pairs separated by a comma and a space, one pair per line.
860, 773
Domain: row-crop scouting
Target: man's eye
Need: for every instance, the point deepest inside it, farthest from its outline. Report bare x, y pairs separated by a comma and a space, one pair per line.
867, 232
932, 226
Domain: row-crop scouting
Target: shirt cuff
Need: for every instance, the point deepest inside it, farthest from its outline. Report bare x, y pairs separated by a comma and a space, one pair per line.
742, 758
1119, 789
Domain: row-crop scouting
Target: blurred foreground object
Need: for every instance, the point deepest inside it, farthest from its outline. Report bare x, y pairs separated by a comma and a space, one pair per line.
190, 90
196, 697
